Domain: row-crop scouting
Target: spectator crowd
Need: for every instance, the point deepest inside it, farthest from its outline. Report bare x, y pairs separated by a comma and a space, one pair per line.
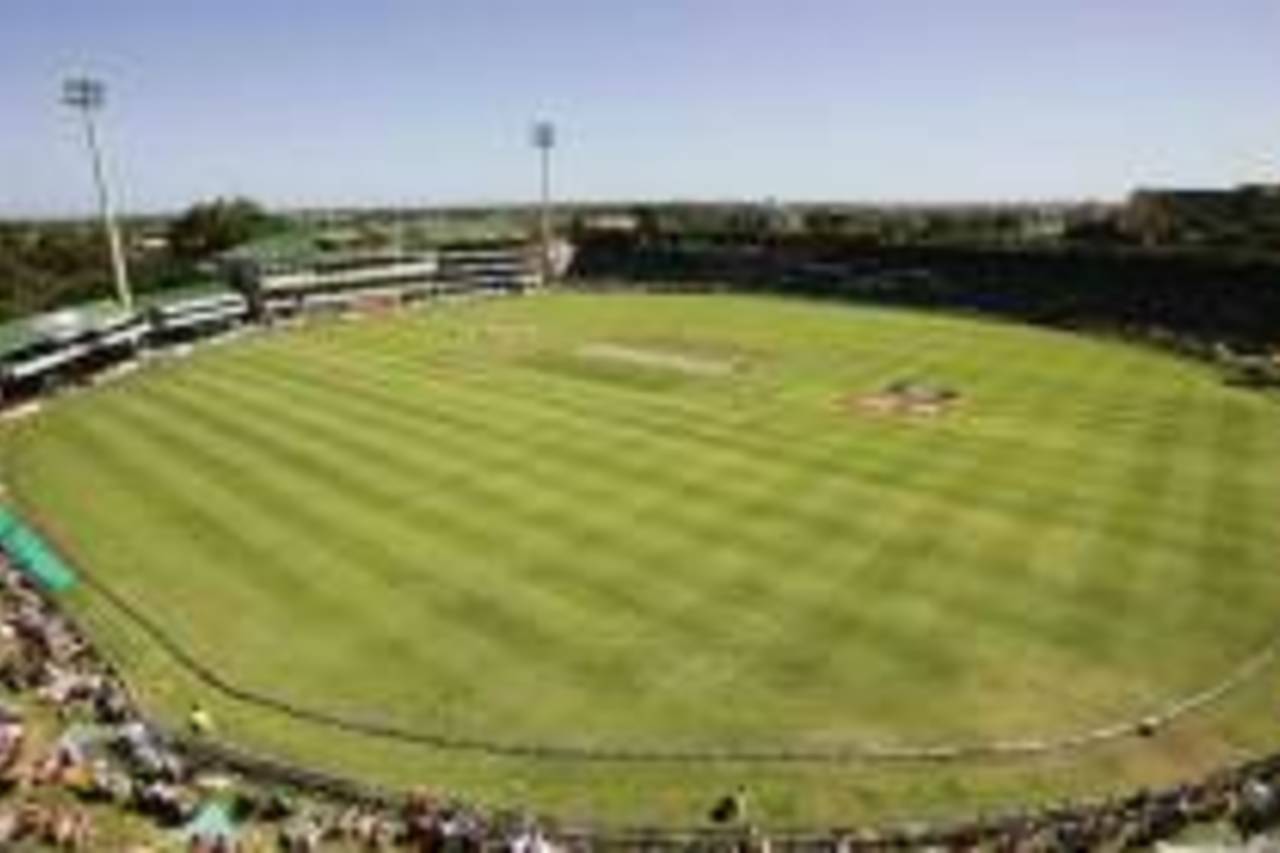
75, 751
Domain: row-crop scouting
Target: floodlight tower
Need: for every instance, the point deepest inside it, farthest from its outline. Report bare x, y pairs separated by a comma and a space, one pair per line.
544, 139
87, 95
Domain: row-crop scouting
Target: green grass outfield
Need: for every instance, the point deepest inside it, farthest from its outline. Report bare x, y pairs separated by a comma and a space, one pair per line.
478, 519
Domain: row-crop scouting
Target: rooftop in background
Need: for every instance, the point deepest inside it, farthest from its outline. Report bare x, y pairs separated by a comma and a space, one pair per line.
294, 246
313, 238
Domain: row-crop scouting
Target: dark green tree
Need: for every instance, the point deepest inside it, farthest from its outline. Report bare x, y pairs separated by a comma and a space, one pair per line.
208, 228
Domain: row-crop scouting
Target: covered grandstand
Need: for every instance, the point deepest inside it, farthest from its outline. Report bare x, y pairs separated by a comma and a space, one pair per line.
80, 343
49, 349
260, 282
285, 279
195, 314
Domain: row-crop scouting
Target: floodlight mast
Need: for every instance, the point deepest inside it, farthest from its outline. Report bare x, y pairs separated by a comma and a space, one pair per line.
544, 139
87, 95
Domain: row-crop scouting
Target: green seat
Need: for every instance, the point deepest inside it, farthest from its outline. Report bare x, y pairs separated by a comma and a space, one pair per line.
31, 555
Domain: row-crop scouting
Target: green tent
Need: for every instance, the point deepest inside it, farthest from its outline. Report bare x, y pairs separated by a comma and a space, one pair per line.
30, 554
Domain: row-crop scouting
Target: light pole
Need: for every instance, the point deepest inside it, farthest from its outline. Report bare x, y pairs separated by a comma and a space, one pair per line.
544, 139
87, 95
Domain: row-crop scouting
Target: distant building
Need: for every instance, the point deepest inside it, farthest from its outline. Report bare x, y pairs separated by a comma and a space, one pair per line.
623, 223
151, 243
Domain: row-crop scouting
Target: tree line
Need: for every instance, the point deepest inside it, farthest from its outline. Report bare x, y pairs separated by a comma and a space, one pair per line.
46, 265
1203, 301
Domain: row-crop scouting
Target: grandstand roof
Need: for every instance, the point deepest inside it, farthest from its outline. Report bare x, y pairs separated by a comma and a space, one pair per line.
23, 332
185, 293
295, 246
52, 325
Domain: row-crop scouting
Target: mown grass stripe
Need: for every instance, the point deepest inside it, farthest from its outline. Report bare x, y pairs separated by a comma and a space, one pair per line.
706, 562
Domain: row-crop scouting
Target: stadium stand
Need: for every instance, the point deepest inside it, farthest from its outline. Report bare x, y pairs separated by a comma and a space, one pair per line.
487, 266
77, 345
196, 317
338, 280
304, 282
67, 343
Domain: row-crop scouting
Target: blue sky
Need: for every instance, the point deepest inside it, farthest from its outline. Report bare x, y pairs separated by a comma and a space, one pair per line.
428, 102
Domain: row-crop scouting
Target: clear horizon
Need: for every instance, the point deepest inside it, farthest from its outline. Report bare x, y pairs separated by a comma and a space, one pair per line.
428, 104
